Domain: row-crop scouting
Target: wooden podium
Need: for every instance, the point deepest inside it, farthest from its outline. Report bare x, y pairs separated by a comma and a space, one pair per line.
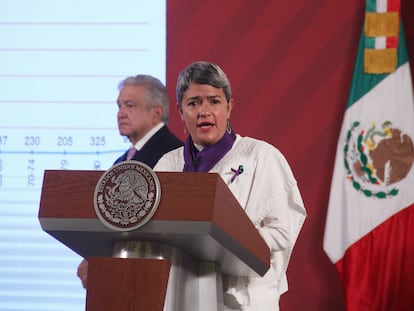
173, 262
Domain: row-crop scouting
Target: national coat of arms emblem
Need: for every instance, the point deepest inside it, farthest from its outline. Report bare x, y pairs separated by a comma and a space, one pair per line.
377, 159
127, 195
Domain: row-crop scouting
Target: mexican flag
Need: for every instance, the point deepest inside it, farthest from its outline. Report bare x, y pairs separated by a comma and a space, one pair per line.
369, 233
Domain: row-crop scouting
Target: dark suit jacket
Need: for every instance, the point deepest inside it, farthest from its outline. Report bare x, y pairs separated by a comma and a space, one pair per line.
161, 142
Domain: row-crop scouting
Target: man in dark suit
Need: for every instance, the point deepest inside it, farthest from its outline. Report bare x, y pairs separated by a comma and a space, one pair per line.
143, 109
143, 117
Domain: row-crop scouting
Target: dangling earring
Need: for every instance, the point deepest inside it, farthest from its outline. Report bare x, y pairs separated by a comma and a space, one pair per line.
185, 130
229, 129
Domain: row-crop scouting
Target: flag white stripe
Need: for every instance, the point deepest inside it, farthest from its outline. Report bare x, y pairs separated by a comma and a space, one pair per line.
382, 6
351, 214
380, 42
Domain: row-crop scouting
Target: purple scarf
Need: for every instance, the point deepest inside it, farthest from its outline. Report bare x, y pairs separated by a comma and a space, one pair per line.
204, 160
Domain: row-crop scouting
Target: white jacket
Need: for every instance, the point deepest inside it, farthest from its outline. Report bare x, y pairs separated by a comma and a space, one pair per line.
268, 192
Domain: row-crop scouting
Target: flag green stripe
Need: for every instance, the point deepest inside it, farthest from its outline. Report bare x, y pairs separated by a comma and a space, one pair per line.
371, 6
369, 42
362, 82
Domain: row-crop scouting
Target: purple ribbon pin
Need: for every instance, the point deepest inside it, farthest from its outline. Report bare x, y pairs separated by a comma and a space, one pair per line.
236, 172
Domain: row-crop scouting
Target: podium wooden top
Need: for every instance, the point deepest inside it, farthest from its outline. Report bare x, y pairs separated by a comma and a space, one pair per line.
197, 213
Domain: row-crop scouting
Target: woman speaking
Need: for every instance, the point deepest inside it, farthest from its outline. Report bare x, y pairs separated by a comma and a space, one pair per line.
256, 172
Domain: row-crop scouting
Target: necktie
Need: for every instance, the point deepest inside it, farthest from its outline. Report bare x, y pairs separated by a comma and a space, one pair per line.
131, 153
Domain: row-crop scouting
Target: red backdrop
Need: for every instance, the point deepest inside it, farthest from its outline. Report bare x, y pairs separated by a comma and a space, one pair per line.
290, 64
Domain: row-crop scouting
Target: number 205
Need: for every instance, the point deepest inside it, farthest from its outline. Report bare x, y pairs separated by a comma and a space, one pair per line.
65, 141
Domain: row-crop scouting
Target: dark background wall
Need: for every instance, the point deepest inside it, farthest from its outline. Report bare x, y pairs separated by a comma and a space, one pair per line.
290, 64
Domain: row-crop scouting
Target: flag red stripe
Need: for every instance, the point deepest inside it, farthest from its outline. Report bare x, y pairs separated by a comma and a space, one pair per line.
391, 42
393, 5
377, 272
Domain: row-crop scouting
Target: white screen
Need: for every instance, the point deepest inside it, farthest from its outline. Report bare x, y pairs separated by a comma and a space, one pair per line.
60, 65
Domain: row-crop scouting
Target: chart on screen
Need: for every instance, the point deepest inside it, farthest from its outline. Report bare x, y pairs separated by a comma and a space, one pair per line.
60, 65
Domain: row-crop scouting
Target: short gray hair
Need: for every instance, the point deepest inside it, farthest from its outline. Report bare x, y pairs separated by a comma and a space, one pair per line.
202, 73
156, 92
